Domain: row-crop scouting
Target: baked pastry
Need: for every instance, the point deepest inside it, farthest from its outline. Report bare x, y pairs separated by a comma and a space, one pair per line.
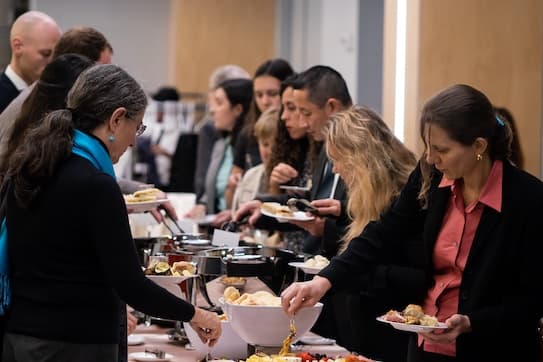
184, 268
230, 294
412, 314
277, 209
256, 298
150, 194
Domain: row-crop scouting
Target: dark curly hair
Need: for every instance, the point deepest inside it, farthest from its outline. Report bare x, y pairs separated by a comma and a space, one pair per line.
290, 151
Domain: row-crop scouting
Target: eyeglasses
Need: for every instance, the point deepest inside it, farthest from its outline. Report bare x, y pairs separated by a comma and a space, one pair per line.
141, 128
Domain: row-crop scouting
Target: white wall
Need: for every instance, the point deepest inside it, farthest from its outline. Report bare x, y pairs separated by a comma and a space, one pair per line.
308, 32
339, 39
324, 32
138, 30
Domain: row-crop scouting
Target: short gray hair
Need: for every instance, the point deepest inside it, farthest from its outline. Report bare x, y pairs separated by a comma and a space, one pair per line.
225, 72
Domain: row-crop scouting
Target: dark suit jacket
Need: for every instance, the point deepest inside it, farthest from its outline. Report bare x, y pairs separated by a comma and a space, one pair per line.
8, 92
501, 289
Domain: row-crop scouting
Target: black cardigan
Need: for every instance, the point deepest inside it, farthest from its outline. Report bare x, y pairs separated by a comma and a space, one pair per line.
501, 289
72, 260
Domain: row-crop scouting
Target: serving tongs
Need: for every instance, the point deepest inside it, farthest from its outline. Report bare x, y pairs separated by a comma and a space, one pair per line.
285, 348
304, 205
172, 218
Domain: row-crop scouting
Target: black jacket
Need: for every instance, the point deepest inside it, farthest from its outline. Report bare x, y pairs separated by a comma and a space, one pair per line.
8, 92
501, 288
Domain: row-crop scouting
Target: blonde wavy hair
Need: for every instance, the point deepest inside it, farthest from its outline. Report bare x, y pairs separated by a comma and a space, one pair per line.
379, 164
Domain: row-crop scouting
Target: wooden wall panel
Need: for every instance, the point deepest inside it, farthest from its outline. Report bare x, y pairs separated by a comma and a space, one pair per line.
493, 45
210, 33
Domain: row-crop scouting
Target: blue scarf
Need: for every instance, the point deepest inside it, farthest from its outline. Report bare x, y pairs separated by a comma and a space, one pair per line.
90, 148
5, 291
83, 145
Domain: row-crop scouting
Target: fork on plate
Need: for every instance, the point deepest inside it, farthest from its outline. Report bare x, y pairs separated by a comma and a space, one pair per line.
157, 352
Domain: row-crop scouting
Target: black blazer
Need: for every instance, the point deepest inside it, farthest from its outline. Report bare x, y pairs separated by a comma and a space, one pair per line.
502, 285
8, 92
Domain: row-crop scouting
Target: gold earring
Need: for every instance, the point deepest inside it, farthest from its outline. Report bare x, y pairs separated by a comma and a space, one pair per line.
479, 157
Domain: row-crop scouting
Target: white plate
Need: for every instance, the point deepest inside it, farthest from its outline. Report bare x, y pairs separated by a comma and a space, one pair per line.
294, 188
196, 242
305, 268
206, 220
316, 340
413, 327
298, 216
136, 207
145, 357
135, 339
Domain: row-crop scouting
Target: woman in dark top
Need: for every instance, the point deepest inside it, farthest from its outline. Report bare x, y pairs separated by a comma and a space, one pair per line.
294, 156
480, 219
71, 254
357, 142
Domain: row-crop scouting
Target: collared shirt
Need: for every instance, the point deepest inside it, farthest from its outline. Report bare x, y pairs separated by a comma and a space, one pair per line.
17, 81
453, 246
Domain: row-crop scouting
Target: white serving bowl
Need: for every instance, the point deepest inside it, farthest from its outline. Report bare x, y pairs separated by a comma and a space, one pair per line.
268, 326
229, 345
171, 283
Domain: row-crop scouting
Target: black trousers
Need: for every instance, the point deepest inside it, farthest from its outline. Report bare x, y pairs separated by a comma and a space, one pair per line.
20, 348
123, 347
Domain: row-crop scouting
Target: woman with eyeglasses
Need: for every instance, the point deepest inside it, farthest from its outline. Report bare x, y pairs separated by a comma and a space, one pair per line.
70, 253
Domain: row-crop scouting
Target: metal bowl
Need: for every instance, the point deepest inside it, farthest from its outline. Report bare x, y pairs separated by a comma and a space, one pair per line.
242, 261
191, 242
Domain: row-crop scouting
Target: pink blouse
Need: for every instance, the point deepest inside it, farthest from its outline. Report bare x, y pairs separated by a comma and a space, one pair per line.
452, 248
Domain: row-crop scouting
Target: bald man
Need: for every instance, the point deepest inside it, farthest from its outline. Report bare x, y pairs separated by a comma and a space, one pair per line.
33, 38
85, 41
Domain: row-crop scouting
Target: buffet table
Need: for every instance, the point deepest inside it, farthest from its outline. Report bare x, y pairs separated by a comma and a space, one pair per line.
156, 337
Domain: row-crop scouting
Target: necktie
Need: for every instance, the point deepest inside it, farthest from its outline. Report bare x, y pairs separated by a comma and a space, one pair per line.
326, 183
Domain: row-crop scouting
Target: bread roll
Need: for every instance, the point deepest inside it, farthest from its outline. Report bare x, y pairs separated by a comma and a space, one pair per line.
143, 195
230, 294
